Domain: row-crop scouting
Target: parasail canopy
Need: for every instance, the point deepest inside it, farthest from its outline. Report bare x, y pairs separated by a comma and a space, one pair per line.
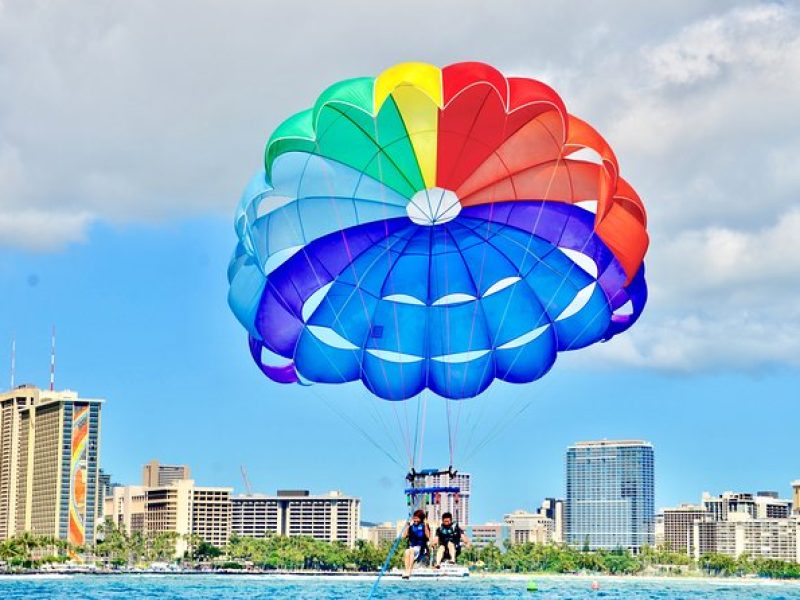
434, 228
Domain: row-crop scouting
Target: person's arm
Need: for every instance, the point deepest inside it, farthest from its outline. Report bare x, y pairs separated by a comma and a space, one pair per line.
428, 532
405, 532
435, 539
463, 538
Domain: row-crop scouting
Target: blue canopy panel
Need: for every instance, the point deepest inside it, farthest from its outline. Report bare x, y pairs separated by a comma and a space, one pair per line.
450, 307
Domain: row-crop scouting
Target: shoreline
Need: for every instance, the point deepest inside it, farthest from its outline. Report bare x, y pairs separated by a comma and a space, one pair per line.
344, 575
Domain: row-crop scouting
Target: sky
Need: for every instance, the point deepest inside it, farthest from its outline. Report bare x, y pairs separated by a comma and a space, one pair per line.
129, 129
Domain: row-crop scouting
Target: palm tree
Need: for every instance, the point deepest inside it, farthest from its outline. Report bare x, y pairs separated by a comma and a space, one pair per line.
162, 545
28, 542
192, 541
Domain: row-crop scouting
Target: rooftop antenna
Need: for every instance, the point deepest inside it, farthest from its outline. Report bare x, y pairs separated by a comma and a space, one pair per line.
13, 359
53, 360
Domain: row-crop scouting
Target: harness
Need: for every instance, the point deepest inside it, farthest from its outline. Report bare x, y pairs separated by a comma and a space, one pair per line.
449, 534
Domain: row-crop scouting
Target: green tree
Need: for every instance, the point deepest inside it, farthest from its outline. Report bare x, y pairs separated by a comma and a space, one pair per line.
205, 551
718, 564
367, 557
161, 546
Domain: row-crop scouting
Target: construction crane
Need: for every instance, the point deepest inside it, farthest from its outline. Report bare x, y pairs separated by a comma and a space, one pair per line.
248, 488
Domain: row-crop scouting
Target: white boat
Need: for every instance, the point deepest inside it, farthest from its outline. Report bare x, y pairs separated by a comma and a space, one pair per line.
446, 570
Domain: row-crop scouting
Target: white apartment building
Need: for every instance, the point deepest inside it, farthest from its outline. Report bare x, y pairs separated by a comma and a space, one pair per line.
332, 517
742, 534
759, 506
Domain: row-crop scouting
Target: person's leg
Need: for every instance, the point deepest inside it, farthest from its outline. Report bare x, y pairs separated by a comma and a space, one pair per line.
439, 554
451, 550
408, 558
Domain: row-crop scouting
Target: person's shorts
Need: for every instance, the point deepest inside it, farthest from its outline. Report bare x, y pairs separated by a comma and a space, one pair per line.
447, 550
419, 552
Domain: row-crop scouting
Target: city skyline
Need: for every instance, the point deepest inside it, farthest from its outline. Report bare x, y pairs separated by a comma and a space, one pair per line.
234, 480
51, 484
155, 473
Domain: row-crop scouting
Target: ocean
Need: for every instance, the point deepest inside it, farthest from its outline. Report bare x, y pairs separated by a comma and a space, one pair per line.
245, 587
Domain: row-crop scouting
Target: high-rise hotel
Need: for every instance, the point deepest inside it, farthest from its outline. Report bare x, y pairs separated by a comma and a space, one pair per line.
49, 444
610, 495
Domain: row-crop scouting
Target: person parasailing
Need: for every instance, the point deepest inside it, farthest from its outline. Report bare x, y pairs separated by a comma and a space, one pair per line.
418, 534
449, 538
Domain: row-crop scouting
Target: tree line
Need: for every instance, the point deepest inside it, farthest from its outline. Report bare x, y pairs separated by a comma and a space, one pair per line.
295, 553
117, 547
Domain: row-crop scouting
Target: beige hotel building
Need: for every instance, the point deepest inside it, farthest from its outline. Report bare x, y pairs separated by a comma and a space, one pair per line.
49, 463
168, 501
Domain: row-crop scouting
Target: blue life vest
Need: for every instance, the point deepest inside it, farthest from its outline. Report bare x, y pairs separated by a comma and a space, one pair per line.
416, 535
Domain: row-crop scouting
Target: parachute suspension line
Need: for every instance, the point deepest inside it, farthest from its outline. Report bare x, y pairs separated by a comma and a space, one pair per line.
416, 431
405, 436
422, 426
300, 233
356, 426
456, 430
449, 431
520, 405
527, 246
352, 423
572, 265
376, 406
501, 426
447, 347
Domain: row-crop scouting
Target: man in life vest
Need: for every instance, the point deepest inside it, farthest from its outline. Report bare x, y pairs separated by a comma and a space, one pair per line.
449, 538
418, 534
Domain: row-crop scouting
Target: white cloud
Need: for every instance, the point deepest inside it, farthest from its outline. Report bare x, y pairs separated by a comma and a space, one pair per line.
755, 36
719, 298
42, 231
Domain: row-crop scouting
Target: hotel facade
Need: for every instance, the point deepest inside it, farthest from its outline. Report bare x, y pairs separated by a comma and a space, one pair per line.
610, 495
186, 509
49, 464
331, 517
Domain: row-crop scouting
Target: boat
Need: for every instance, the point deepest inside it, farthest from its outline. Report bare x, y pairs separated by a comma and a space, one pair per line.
446, 570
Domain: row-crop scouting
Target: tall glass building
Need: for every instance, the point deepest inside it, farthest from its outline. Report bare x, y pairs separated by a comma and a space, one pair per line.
610, 495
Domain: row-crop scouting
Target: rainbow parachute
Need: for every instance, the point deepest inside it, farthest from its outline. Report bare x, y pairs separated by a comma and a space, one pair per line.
434, 228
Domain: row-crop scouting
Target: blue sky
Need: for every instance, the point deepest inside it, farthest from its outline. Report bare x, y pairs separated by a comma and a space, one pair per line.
128, 130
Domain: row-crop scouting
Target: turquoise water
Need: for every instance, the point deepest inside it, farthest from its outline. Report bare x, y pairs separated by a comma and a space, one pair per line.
191, 587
